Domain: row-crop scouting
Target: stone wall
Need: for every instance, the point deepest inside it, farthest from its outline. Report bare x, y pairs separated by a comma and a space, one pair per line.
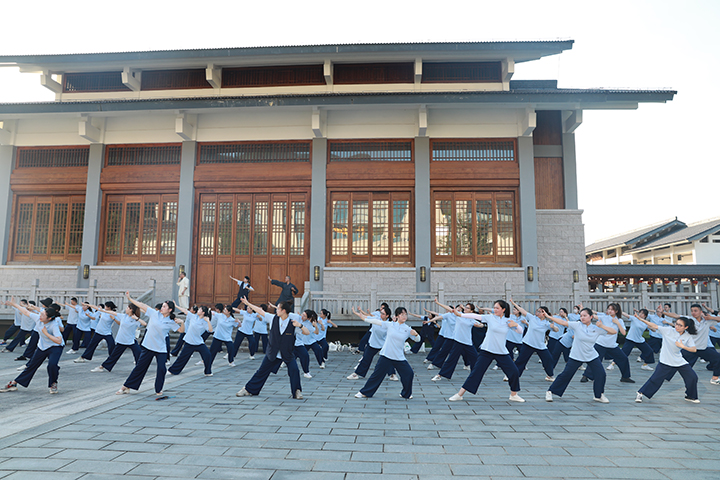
477, 280
137, 278
49, 276
359, 279
561, 249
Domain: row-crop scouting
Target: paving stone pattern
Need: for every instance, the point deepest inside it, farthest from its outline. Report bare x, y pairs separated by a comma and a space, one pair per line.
204, 431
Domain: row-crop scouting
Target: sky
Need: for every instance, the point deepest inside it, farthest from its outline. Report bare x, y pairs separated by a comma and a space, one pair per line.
635, 167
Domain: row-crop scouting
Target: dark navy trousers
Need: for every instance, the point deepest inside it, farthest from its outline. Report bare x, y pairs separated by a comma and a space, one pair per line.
271, 365
117, 352
185, 355
663, 372
562, 381
53, 369
141, 368
386, 366
526, 352
485, 358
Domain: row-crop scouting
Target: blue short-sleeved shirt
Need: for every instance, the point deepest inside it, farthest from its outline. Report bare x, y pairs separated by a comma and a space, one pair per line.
104, 325
463, 329
127, 329
224, 328
607, 341
535, 336
583, 347
447, 326
497, 329
53, 329
513, 335
259, 326
194, 328
157, 329
637, 327
248, 319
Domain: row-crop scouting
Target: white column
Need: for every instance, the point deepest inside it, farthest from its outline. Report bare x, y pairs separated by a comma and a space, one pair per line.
93, 211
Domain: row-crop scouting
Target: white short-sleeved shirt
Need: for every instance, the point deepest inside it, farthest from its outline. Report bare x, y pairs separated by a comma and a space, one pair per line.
260, 326
497, 330
104, 325
73, 311
157, 329
396, 334
535, 336
637, 327
463, 329
53, 329
223, 329
607, 341
447, 326
583, 347
377, 337
702, 337
671, 354
27, 323
127, 329
248, 319
513, 335
194, 328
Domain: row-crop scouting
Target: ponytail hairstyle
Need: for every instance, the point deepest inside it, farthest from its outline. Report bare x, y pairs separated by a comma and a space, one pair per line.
193, 309
229, 309
386, 310
399, 311
506, 308
563, 309
264, 307
52, 314
311, 315
326, 313
206, 311
644, 311
219, 307
616, 308
545, 309
111, 305
134, 309
171, 307
690, 324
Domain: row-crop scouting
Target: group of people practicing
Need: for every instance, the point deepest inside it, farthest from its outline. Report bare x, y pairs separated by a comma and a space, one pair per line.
480, 336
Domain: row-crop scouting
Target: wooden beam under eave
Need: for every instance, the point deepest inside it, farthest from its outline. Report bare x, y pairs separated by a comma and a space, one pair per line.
47, 81
89, 132
213, 76
328, 72
130, 80
573, 121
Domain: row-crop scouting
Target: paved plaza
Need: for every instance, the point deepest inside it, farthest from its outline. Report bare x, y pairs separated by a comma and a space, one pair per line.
204, 431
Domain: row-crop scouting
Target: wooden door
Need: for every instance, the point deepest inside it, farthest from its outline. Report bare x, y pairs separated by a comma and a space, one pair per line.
258, 235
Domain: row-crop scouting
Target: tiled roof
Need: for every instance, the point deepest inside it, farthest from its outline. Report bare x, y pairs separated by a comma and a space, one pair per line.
632, 237
692, 232
687, 271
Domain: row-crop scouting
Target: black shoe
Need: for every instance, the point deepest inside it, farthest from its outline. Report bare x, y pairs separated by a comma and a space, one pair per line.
584, 379
21, 358
627, 380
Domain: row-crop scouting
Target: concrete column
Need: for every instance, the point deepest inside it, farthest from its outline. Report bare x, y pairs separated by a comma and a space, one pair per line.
186, 206
570, 171
423, 248
528, 220
7, 160
318, 209
93, 211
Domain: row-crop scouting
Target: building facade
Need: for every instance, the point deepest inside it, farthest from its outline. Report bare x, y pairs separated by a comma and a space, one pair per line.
401, 166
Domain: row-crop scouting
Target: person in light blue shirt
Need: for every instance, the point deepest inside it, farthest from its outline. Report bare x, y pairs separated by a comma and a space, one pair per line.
555, 335
607, 344
197, 322
260, 331
245, 330
375, 344
128, 324
26, 327
493, 349
514, 338
447, 330
534, 341
15, 327
565, 344
82, 334
462, 343
223, 334
635, 339
392, 354
160, 323
103, 331
310, 321
440, 340
325, 319
50, 347
582, 351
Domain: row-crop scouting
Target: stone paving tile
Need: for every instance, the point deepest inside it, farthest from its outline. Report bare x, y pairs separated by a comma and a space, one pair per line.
97, 466
39, 475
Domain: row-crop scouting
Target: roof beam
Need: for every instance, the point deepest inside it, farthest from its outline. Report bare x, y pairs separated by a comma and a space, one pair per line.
130, 79
213, 75
573, 121
6, 134
47, 81
508, 69
528, 122
418, 70
318, 121
88, 131
422, 121
328, 72
183, 128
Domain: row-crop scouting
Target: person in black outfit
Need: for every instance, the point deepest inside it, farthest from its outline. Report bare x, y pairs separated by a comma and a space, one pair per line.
243, 291
288, 292
284, 326
428, 331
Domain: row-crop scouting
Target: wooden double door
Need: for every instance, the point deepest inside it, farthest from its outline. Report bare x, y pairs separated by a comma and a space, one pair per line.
258, 235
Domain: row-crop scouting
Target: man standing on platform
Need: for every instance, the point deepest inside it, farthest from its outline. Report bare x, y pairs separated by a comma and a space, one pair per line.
288, 291
183, 284
244, 290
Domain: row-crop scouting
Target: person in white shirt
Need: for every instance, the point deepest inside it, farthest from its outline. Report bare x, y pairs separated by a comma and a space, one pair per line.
703, 322
675, 340
128, 323
392, 354
183, 284
15, 327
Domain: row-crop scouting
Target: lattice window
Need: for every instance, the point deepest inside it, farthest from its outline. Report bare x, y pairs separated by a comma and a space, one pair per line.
273, 76
140, 228
225, 223
93, 82
254, 152
371, 151
173, 79
474, 227
369, 73
370, 227
462, 72
297, 228
34, 157
260, 229
242, 229
207, 228
473, 151
48, 228
119, 155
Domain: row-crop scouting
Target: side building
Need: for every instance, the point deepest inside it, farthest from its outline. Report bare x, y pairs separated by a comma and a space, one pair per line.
403, 166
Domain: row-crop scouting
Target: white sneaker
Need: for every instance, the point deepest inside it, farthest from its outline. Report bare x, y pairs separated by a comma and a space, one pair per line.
252, 357
516, 398
71, 352
602, 399
432, 367
548, 396
393, 378
80, 360
21, 368
231, 364
638, 397
359, 395
495, 367
298, 395
715, 381
436, 378
455, 398
226, 356
409, 398
98, 369
307, 375
582, 368
322, 365
548, 378
647, 367
702, 360
353, 376
692, 400
505, 378
199, 363
466, 367
639, 359
611, 367
243, 393
426, 361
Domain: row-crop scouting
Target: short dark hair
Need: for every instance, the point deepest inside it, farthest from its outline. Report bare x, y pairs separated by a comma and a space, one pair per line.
287, 306
400, 310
